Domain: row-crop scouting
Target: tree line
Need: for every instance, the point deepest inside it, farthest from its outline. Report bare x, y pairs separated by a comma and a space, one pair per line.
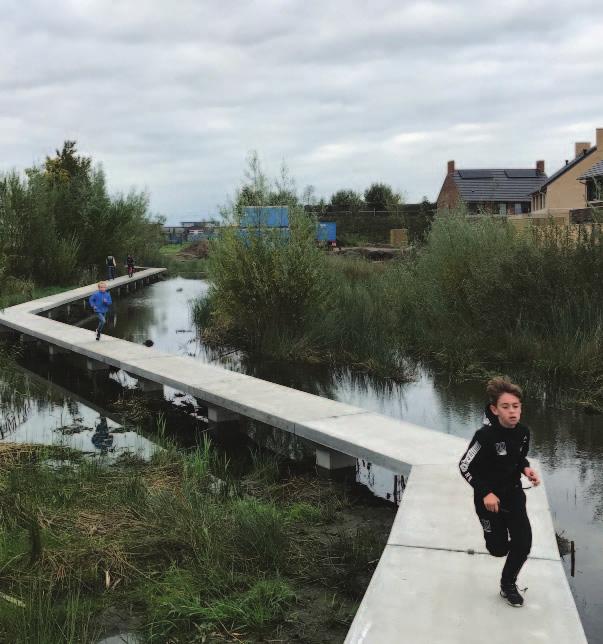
378, 197
58, 220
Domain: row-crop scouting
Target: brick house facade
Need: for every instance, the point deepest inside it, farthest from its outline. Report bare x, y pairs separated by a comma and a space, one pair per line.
500, 191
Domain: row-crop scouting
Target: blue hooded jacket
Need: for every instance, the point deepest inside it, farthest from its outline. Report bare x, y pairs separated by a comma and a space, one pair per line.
100, 302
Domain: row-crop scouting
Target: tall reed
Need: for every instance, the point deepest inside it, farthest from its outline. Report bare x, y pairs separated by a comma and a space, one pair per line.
479, 296
482, 295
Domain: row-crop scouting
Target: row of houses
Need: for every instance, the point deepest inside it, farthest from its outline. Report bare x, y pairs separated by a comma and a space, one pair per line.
571, 192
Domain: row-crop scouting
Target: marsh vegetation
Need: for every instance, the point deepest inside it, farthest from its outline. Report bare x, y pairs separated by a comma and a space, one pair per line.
478, 297
180, 547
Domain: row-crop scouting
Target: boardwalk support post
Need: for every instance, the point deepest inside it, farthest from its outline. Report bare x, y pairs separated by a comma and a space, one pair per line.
96, 365
55, 350
149, 386
221, 415
330, 459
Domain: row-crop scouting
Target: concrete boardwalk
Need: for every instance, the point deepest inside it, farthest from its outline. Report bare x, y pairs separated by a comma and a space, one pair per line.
426, 588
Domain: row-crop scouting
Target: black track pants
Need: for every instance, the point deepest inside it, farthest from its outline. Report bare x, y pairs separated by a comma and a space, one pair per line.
507, 532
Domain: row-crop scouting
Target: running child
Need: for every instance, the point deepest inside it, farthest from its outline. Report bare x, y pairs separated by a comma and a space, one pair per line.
493, 464
100, 301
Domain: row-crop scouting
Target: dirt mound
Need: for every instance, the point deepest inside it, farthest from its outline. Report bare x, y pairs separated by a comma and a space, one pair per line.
372, 253
195, 250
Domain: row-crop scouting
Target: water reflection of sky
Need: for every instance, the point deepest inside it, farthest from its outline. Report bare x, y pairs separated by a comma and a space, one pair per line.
569, 445
72, 424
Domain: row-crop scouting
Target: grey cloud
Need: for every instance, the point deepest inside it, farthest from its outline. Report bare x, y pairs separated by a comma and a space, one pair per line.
171, 96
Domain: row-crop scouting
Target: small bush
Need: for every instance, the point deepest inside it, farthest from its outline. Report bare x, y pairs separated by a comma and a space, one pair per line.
263, 283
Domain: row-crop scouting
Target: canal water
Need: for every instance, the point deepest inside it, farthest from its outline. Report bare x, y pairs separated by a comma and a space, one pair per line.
568, 444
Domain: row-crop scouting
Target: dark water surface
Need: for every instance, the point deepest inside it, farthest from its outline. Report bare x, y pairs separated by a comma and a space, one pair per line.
568, 444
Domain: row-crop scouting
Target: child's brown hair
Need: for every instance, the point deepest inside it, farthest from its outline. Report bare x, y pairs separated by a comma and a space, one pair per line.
500, 385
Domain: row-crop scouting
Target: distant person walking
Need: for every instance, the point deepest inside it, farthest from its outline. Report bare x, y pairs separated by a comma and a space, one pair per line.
100, 301
111, 265
130, 265
493, 464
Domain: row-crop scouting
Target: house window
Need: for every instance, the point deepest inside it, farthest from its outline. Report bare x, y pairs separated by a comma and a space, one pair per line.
594, 190
518, 209
502, 208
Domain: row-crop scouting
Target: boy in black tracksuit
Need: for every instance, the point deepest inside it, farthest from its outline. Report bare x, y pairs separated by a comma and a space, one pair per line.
493, 464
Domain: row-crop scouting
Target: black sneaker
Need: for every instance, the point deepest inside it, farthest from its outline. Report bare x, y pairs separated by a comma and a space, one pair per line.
512, 595
98, 335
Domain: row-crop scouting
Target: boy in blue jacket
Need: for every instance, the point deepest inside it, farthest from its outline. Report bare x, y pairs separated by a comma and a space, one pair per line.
100, 303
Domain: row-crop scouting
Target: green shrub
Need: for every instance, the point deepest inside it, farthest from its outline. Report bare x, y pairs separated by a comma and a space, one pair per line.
263, 282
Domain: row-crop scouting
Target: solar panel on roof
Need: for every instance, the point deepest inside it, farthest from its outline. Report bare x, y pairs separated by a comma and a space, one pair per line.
521, 174
475, 174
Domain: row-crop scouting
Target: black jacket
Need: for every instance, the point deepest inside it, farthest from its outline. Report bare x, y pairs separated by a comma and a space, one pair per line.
495, 458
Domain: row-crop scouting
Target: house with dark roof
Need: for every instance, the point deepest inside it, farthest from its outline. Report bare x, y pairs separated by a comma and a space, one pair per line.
502, 192
573, 186
593, 180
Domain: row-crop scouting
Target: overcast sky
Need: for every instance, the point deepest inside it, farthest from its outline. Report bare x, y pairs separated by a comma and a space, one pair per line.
171, 96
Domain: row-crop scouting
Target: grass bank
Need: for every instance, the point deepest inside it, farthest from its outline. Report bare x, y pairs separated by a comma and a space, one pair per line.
186, 260
175, 549
30, 292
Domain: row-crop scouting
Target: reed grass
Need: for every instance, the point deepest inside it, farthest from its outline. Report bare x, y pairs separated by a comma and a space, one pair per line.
289, 301
479, 297
161, 541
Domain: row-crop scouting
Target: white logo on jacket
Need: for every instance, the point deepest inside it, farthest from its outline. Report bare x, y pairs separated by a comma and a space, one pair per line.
501, 449
469, 456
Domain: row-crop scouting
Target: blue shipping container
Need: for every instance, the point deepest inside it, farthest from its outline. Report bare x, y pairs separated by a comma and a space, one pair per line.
249, 233
270, 216
327, 231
